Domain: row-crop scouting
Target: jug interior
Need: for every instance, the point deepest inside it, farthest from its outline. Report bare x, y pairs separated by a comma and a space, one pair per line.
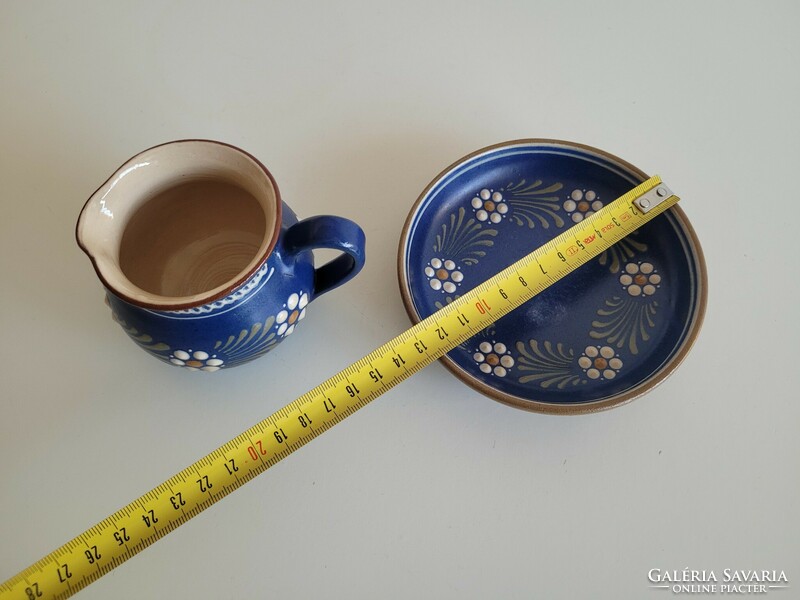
191, 238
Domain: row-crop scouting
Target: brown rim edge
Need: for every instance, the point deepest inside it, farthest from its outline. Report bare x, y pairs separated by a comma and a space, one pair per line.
545, 407
239, 280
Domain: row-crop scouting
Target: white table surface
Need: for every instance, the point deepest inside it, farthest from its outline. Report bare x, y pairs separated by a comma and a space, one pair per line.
433, 491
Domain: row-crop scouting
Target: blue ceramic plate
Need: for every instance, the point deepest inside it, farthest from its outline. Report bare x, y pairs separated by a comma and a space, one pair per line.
605, 334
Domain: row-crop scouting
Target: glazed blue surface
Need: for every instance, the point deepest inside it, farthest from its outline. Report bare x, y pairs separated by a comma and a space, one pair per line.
260, 313
598, 333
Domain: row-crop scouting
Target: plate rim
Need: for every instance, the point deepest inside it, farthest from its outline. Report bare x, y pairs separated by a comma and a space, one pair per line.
546, 407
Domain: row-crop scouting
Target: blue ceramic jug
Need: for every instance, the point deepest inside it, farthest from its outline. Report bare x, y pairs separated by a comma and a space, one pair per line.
205, 267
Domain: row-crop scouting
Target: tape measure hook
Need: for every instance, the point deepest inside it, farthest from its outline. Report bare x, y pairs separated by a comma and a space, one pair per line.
650, 200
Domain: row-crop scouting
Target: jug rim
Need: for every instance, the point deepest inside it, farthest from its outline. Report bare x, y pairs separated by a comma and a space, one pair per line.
203, 299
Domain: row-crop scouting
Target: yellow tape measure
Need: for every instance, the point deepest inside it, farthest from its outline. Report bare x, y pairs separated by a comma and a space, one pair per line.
117, 538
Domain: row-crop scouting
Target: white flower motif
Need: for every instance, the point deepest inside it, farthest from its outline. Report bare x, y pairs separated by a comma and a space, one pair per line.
640, 279
196, 360
443, 275
493, 358
489, 206
293, 311
600, 362
581, 204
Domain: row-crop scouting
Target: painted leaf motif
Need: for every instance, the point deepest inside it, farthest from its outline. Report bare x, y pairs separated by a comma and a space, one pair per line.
463, 239
547, 364
249, 343
532, 205
622, 251
625, 322
142, 339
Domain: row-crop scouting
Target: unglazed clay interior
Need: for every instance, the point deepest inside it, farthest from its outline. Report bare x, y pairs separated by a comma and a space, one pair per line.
192, 238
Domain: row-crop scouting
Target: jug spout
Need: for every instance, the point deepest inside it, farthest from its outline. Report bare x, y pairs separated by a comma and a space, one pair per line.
101, 224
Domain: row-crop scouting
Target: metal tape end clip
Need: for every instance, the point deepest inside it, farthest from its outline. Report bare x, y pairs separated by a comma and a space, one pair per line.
648, 201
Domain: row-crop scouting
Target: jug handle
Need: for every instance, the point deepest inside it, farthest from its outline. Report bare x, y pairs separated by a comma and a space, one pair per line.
337, 233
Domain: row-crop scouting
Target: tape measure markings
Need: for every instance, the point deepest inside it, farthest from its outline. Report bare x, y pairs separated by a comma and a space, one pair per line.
134, 527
